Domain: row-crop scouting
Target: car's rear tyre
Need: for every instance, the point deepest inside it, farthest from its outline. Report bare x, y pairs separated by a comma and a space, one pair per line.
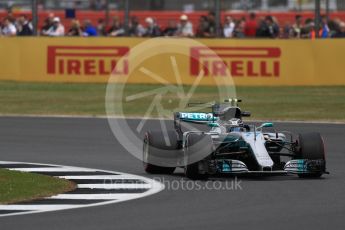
196, 144
155, 144
311, 147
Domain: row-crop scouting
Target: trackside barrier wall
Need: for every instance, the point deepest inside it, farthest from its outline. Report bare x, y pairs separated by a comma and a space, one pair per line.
250, 62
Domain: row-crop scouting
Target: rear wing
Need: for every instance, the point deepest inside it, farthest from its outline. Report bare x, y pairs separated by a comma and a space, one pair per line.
199, 118
190, 117
219, 111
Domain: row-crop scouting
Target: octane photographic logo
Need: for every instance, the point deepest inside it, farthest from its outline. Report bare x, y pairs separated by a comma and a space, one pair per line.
158, 83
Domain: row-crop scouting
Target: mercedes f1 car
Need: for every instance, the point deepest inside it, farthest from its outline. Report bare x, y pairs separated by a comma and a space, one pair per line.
230, 146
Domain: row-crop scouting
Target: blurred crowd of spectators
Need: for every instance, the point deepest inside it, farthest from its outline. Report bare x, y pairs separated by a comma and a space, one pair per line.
246, 27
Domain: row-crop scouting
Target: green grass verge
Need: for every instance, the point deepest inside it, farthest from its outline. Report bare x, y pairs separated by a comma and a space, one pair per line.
279, 103
21, 186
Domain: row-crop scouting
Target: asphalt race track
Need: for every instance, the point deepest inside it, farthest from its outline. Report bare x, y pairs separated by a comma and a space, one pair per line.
262, 203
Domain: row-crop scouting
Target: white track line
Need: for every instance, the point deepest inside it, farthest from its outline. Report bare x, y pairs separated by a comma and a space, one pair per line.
105, 177
43, 207
119, 196
115, 186
150, 185
52, 169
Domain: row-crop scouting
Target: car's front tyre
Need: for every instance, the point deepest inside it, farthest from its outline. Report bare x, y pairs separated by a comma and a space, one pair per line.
311, 147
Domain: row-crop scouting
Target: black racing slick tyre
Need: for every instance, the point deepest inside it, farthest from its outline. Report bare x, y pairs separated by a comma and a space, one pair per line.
159, 152
196, 144
311, 147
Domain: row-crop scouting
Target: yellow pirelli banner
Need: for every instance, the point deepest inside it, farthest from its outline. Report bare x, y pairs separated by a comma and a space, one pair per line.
173, 60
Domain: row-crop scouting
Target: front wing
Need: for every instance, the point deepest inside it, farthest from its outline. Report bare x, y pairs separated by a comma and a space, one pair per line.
299, 166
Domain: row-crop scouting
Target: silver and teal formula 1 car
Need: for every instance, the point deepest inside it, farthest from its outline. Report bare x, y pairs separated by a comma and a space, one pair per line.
229, 146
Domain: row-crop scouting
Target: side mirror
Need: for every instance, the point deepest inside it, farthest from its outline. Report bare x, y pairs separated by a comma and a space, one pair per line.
267, 125
245, 114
